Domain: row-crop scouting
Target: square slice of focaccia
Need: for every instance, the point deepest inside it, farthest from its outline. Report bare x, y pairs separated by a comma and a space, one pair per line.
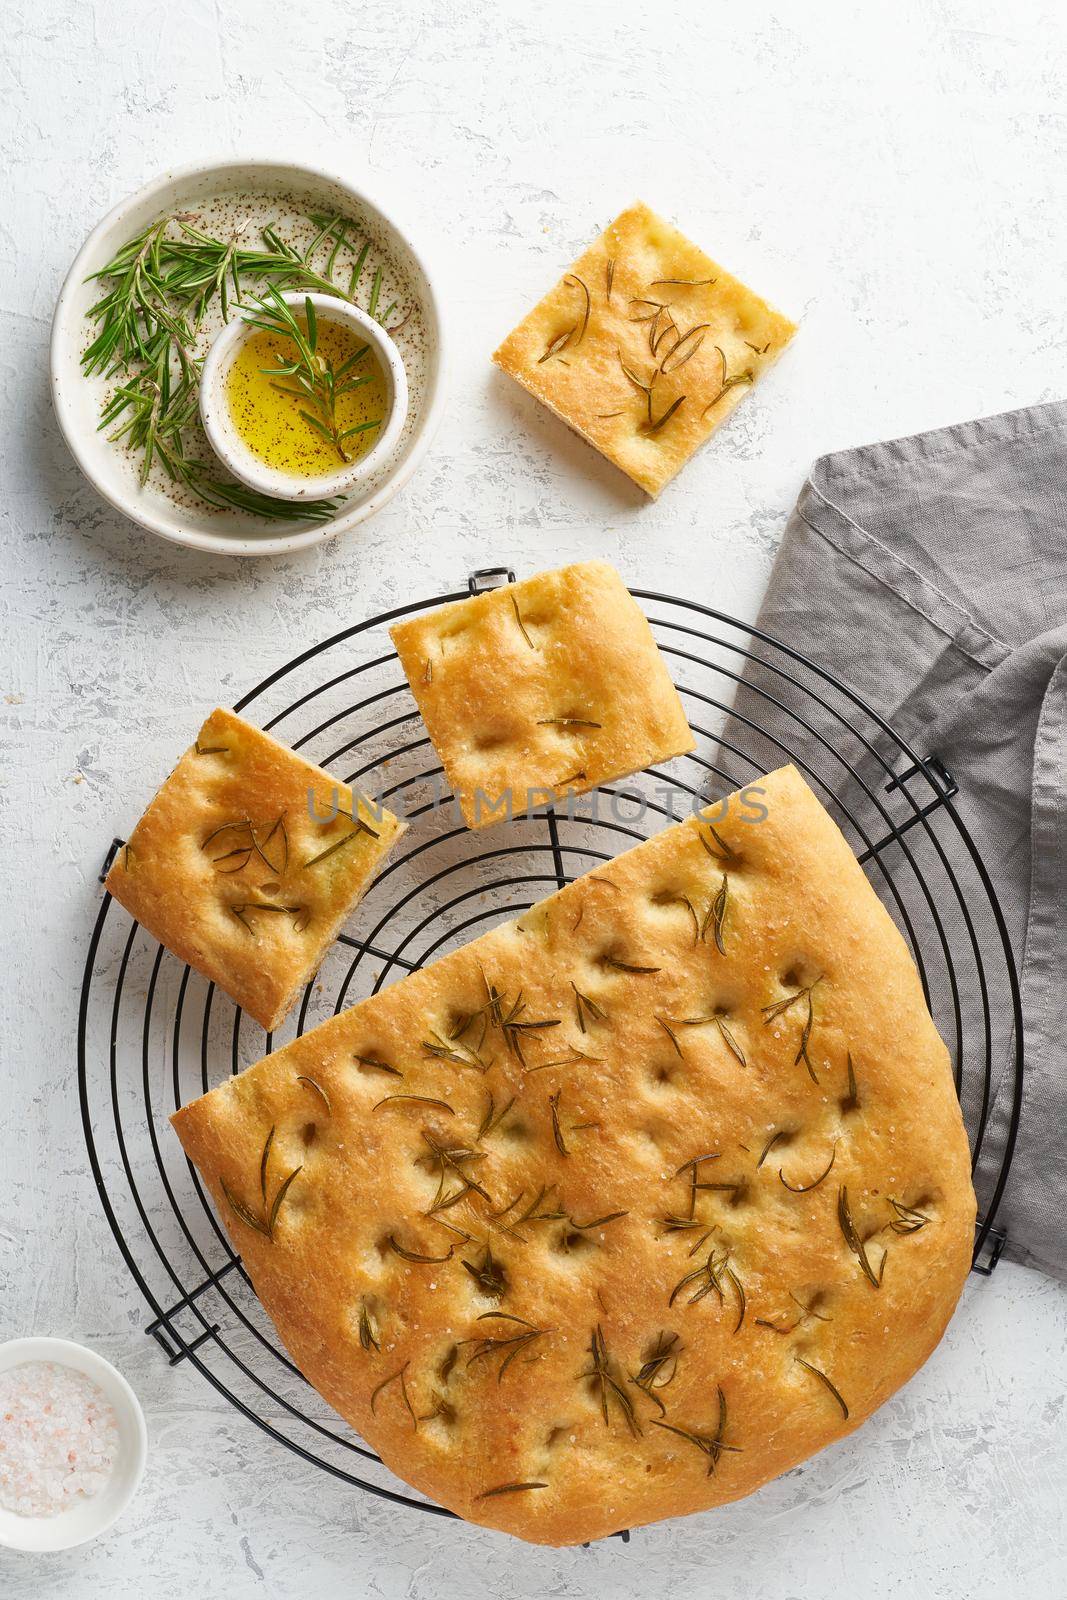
629, 1205
548, 686
645, 346
248, 861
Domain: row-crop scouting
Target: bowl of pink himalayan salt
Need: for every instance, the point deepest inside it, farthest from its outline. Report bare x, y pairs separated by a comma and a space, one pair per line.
73, 1444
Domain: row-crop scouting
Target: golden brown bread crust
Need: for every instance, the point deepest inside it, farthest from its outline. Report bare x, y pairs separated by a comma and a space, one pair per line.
605, 1121
627, 361
222, 867
548, 686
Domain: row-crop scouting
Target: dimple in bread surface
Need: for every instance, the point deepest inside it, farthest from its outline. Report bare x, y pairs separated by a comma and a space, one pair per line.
548, 686
645, 346
615, 1213
229, 869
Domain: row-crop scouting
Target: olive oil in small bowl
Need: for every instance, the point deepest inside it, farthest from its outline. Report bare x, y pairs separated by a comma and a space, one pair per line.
303, 396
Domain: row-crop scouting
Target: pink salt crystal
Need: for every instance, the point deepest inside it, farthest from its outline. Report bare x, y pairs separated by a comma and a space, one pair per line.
58, 1438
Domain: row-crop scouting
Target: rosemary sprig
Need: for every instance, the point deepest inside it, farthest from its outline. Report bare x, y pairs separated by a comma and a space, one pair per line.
571, 337
243, 830
533, 1212
392, 1378
359, 827
243, 908
851, 1101
778, 1008
907, 1219
658, 1369
513, 1025
453, 1050
156, 291
723, 850
692, 1166
684, 349
509, 1346
450, 1162
489, 1274
855, 1243
266, 1223
718, 1019
708, 1279
587, 1007
491, 1118
606, 1385
711, 1444
726, 383
311, 379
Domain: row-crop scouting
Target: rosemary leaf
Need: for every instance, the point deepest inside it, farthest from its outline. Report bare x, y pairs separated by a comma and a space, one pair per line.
392, 1378
368, 1338
415, 1099
279, 1198
854, 1242
654, 427
510, 1488
806, 1188
710, 1444
684, 349
518, 619
816, 1372
606, 1385
263, 1160
319, 1090
907, 1219
415, 1255
374, 1064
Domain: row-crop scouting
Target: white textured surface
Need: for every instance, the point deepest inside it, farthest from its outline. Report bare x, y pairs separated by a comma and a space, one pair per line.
897, 177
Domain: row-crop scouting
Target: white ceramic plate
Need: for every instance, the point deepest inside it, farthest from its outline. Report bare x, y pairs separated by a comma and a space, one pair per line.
253, 191
93, 1516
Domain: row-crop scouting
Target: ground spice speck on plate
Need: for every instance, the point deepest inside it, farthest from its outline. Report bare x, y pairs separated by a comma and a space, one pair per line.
58, 1438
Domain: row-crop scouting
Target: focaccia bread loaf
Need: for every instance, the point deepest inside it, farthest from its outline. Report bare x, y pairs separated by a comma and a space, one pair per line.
629, 1205
645, 346
550, 686
247, 862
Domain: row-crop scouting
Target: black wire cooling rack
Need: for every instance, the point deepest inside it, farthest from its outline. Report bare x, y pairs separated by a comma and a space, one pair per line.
152, 1034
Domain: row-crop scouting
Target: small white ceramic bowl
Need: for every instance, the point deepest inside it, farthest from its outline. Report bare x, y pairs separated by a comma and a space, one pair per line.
93, 1516
78, 400
231, 449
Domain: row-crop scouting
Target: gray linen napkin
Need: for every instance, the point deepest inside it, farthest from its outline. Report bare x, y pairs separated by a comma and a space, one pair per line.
930, 574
